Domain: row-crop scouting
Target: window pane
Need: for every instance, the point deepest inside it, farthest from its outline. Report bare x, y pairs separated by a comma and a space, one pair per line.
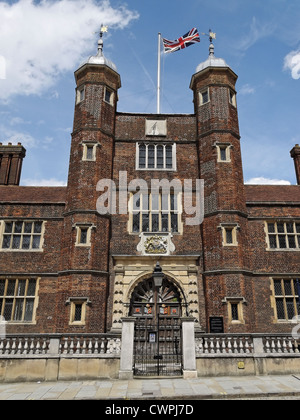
155, 222
280, 309
6, 241
282, 241
142, 156
18, 309
296, 286
2, 287
89, 152
21, 288
280, 227
173, 202
108, 94
31, 287
11, 288
205, 97
272, 240
159, 157
277, 287
8, 309
36, 241
165, 222
8, 227
298, 227
18, 227
145, 222
290, 227
16, 242
229, 237
37, 227
290, 308
78, 312
234, 312
26, 242
28, 309
169, 157
136, 222
271, 227
287, 287
83, 235
27, 227
81, 94
292, 241
136, 201
223, 153
174, 222
150, 156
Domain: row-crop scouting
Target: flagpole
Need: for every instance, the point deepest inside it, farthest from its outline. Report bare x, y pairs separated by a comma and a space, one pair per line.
158, 74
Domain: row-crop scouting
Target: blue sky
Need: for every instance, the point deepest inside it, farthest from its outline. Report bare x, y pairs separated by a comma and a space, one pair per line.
43, 43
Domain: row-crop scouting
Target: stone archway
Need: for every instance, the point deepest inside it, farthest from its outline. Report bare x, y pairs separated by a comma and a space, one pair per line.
157, 334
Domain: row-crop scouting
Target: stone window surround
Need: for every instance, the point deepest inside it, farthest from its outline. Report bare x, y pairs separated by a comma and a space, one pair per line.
82, 225
240, 301
73, 301
89, 143
155, 143
234, 227
225, 146
22, 220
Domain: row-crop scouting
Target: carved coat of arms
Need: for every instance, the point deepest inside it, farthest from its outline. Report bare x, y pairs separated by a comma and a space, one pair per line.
156, 245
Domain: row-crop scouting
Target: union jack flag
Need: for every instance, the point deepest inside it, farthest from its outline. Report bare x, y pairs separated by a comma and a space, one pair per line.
184, 41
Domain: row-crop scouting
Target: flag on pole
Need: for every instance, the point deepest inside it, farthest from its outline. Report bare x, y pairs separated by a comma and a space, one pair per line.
184, 41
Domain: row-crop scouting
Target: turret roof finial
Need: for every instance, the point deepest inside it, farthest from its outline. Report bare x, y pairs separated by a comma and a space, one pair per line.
211, 61
103, 29
99, 58
212, 35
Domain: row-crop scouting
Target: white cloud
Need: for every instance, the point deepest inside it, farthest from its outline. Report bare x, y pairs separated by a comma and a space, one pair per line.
267, 181
246, 90
14, 136
292, 63
51, 182
258, 30
40, 41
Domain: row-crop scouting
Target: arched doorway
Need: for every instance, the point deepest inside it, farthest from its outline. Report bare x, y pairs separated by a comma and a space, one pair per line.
157, 338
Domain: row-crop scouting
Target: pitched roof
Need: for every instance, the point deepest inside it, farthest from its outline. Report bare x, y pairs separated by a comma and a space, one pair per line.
273, 193
22, 194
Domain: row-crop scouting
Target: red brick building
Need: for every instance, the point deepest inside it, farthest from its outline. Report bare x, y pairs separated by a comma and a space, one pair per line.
65, 267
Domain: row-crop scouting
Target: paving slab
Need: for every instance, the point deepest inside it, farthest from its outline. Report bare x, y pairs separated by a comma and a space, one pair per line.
248, 387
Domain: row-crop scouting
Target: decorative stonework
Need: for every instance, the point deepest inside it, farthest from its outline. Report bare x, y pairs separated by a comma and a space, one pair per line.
130, 270
156, 128
156, 244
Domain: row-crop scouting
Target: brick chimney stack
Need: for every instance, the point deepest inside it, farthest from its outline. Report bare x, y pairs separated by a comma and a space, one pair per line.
11, 159
295, 154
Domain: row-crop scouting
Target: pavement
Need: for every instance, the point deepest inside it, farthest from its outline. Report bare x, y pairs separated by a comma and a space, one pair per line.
171, 388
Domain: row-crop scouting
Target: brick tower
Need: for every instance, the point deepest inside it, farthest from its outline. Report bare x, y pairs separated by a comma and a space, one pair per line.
11, 159
295, 154
85, 246
219, 154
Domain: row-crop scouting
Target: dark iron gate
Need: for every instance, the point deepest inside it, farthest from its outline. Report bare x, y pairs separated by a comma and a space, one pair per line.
157, 335
157, 347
